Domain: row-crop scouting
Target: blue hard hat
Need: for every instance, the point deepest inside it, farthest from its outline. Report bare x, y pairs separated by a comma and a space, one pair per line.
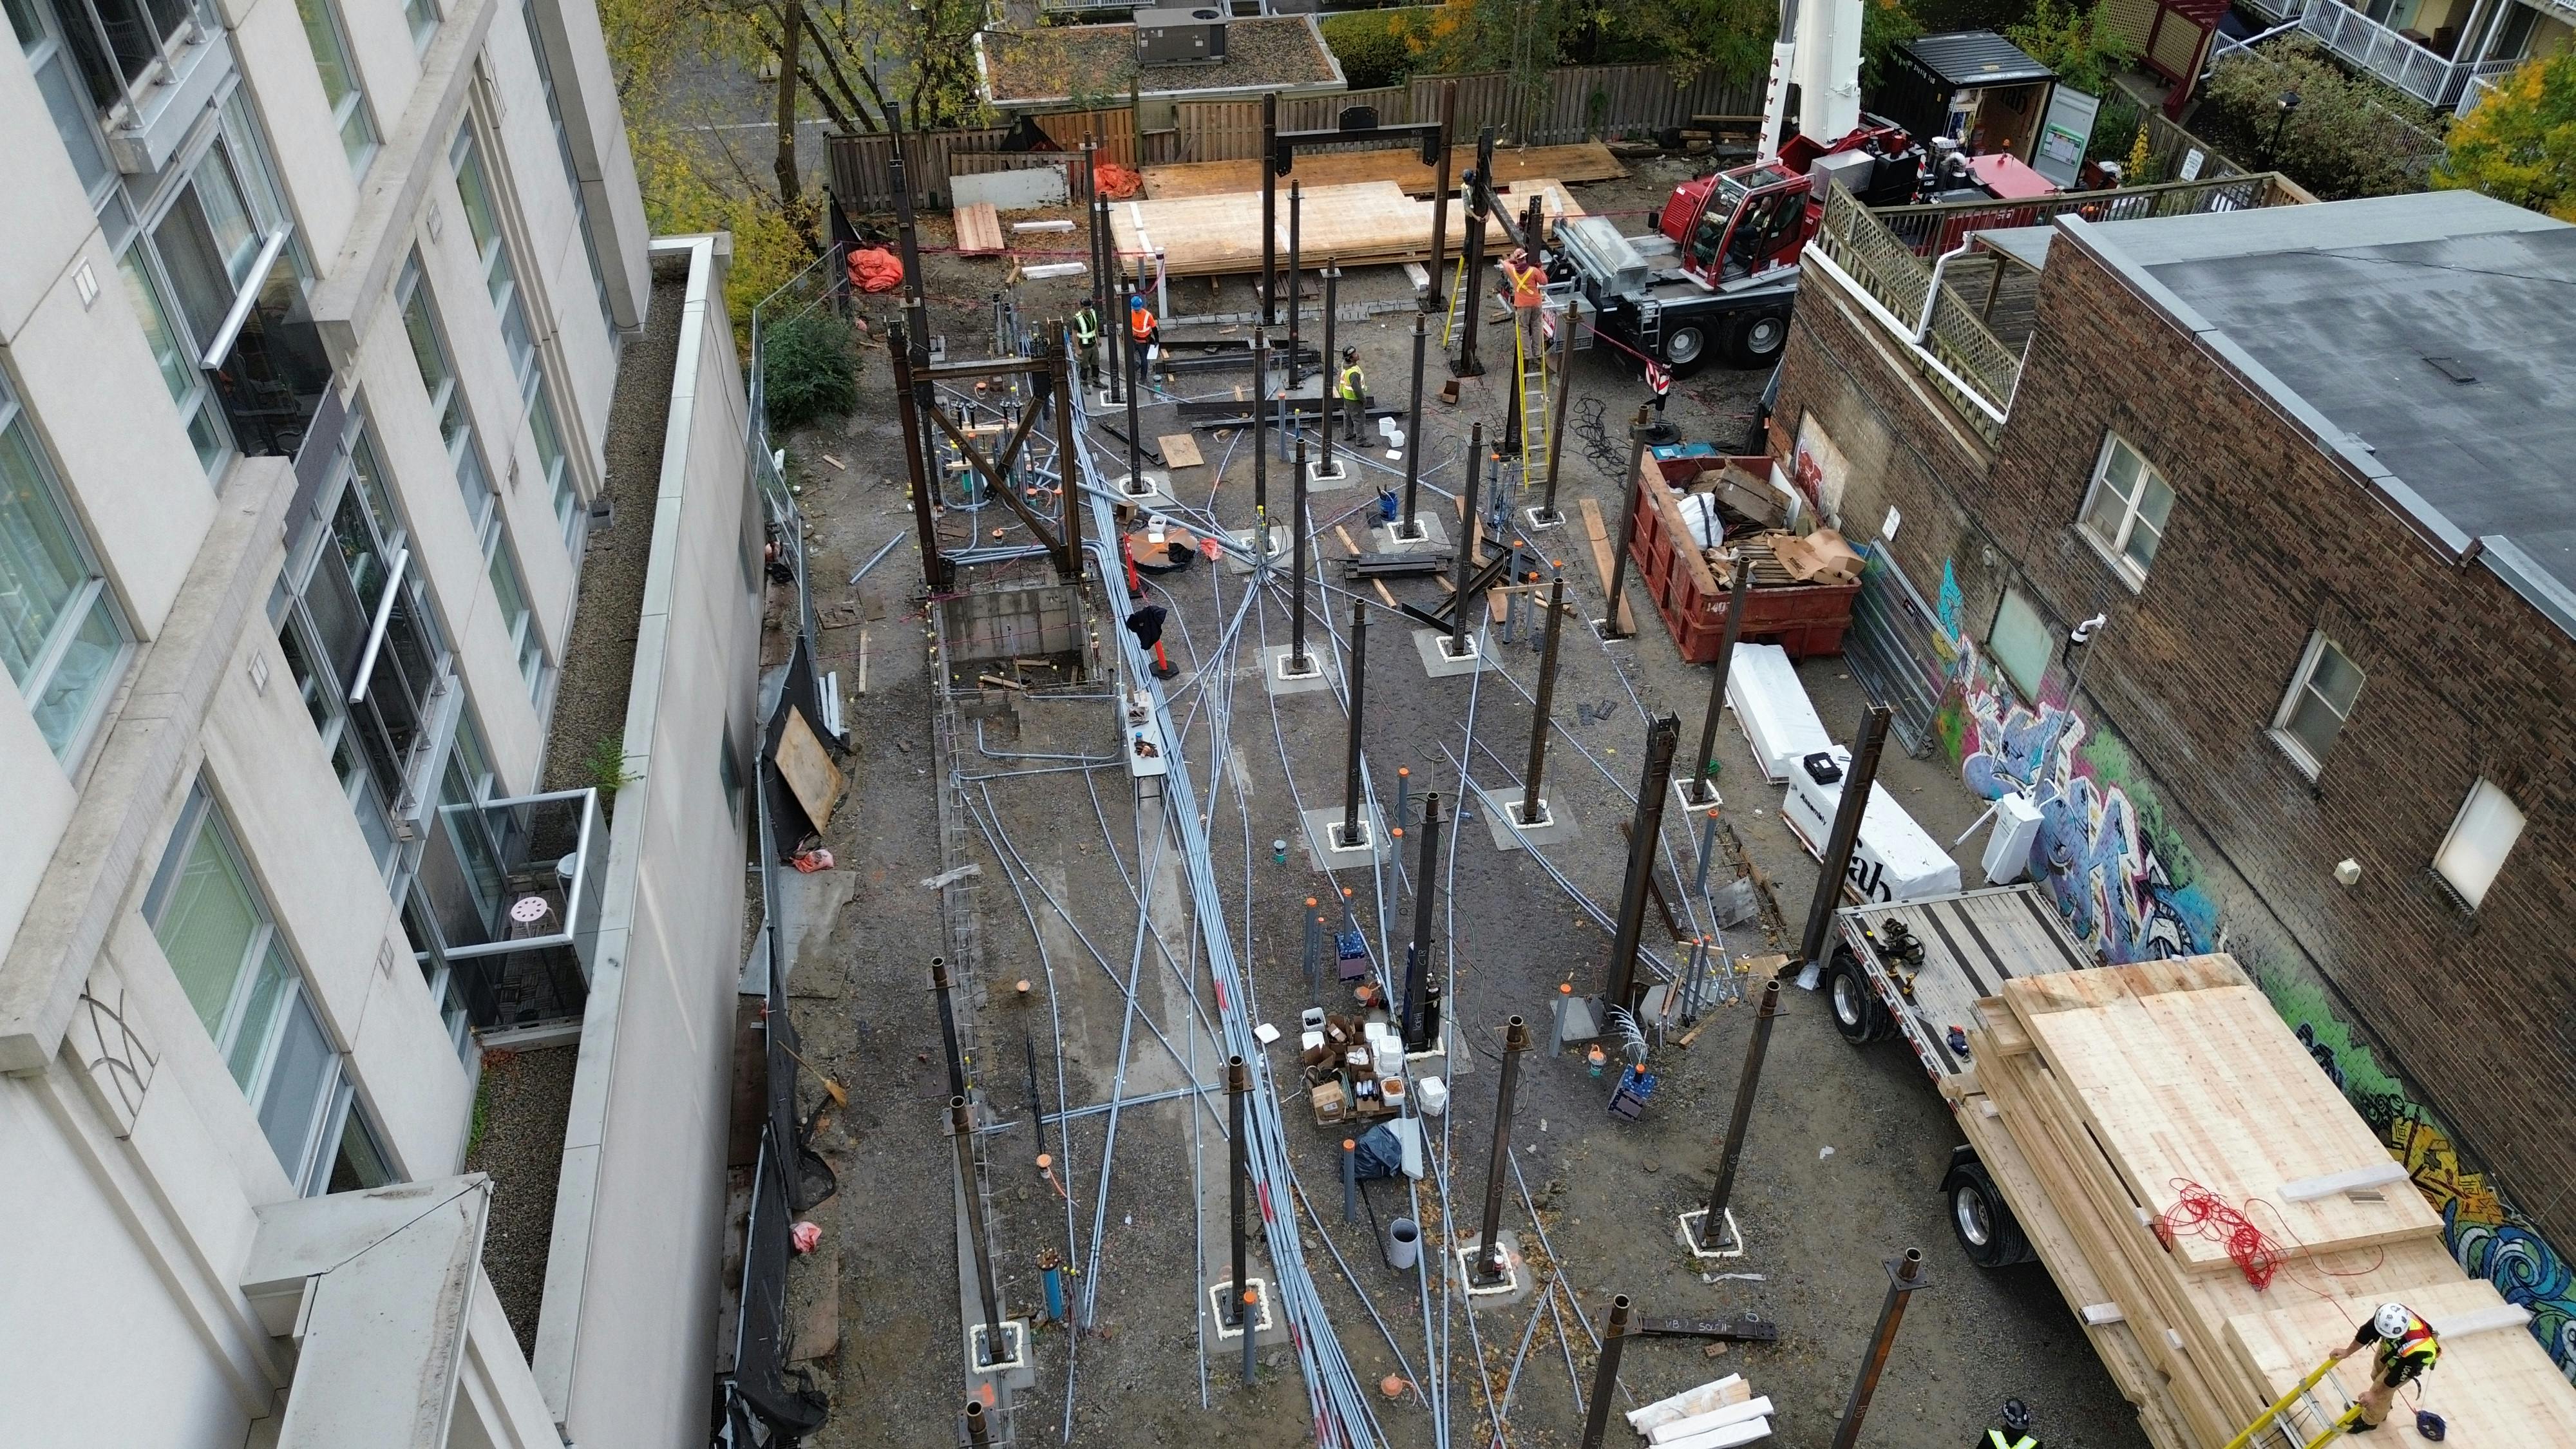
1135, 302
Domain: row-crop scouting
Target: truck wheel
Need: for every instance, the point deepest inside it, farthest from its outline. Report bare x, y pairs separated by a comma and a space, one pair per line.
1986, 1228
1686, 346
1858, 1013
1758, 338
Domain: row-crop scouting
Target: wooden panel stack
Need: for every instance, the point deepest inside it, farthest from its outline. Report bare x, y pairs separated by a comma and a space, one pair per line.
1369, 224
2120, 1090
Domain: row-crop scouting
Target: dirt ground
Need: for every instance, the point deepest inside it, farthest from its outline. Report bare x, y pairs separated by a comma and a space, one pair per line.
1846, 1149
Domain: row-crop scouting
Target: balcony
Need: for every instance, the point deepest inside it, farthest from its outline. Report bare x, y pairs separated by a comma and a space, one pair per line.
538, 863
266, 361
2375, 49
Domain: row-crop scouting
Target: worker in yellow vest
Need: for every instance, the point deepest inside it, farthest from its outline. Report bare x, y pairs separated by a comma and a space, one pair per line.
1086, 333
2015, 1433
1354, 394
2405, 1348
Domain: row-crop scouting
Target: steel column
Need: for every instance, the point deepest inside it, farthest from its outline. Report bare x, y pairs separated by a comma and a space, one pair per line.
1644, 834
1489, 1249
1846, 833
1472, 248
1350, 834
1238, 1091
1413, 432
1464, 560
1556, 421
1605, 1374
939, 983
1904, 1275
1704, 766
1417, 957
962, 1120
1433, 299
1296, 277
912, 393
1742, 1117
1539, 723
1269, 208
1332, 360
1637, 432
1297, 565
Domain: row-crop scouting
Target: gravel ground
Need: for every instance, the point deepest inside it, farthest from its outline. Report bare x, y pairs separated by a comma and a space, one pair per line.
599, 658
522, 1100
1842, 1162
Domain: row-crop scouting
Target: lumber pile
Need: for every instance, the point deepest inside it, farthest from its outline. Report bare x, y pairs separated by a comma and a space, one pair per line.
1368, 224
1513, 166
1719, 1414
979, 230
2128, 1096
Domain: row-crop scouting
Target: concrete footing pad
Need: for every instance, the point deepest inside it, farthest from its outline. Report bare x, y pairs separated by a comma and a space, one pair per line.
1503, 814
1280, 544
1276, 674
1323, 827
1434, 537
1439, 663
1513, 1287
1342, 476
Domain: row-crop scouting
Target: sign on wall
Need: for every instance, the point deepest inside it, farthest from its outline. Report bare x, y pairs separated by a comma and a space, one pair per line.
1819, 469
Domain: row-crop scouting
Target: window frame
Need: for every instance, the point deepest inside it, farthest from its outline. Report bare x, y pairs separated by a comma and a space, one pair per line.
2115, 548
139, 264
425, 18
2028, 689
92, 597
572, 173
2302, 692
321, 20
447, 400
2472, 899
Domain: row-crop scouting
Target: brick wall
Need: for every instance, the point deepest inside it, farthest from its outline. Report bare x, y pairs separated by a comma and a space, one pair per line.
2413, 1003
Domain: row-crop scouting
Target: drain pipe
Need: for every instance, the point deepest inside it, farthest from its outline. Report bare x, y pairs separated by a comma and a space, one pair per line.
1932, 293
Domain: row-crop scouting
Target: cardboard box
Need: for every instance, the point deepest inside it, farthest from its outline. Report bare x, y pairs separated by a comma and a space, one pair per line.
1331, 1103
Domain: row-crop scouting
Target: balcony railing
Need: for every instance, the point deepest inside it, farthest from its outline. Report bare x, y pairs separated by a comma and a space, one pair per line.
2366, 45
533, 965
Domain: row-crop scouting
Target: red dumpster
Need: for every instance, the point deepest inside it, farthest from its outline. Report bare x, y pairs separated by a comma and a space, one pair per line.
1802, 618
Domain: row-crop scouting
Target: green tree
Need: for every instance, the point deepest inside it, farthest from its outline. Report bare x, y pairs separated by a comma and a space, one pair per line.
2519, 145
2346, 137
1374, 46
2079, 44
811, 368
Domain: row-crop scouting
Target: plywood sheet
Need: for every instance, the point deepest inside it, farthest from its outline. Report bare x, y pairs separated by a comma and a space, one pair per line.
816, 782
2497, 1389
1588, 161
2208, 1086
979, 230
1180, 450
1368, 224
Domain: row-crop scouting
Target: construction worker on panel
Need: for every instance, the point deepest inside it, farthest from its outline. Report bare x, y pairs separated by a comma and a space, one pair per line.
2405, 1347
1354, 394
2015, 1433
1086, 332
1147, 334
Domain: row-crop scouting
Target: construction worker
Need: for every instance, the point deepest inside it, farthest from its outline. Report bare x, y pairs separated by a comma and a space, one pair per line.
1086, 332
2015, 1433
1145, 332
2405, 1348
1529, 291
1354, 394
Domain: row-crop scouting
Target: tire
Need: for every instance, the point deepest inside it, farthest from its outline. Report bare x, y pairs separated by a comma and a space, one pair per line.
1981, 1220
1686, 346
1756, 339
1858, 1013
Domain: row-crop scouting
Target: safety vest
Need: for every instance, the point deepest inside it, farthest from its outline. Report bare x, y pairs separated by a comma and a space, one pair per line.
1995, 1440
1354, 385
1086, 326
2417, 1342
1527, 284
1140, 324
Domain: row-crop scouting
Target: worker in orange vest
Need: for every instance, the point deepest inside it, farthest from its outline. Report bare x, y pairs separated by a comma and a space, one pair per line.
1529, 292
1147, 333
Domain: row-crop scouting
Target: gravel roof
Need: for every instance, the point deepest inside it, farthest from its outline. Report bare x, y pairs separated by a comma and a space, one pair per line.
1060, 62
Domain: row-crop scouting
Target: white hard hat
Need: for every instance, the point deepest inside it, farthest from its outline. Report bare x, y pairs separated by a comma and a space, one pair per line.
2392, 1320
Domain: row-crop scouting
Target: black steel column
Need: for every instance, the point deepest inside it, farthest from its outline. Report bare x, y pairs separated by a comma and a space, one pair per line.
1846, 834
1332, 359
1296, 279
1539, 723
1238, 1090
1465, 560
1489, 1248
1297, 565
948, 1026
1260, 445
916, 307
1135, 375
1413, 433
1556, 419
1637, 432
1433, 299
1904, 1275
1269, 208
962, 1121
1113, 319
937, 573
1605, 1375
1741, 1118
1704, 767
1350, 833
1645, 832
1471, 278
1417, 957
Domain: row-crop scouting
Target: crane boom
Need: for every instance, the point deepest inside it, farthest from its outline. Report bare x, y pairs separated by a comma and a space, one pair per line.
1818, 51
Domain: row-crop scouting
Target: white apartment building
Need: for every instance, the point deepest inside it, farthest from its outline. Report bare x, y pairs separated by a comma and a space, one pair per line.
311, 319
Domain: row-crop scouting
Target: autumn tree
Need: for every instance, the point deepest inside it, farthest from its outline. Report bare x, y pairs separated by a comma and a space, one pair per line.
2076, 41
2519, 145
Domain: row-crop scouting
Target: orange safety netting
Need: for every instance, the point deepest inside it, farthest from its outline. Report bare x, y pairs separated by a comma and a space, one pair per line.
1117, 182
875, 269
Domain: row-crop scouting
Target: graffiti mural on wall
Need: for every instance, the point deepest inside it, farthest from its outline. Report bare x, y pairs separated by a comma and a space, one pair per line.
2131, 887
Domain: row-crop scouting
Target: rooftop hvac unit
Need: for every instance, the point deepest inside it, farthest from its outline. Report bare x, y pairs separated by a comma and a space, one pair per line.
1180, 37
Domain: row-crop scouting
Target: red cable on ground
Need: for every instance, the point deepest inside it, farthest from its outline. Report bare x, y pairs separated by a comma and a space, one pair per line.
2205, 1214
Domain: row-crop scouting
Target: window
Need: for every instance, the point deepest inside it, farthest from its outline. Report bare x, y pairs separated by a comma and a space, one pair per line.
423, 15
446, 990
446, 399
73, 120
517, 620
179, 373
124, 48
2124, 514
572, 172
2483, 835
223, 944
2021, 643
729, 775
483, 219
2320, 700
550, 456
60, 632
339, 82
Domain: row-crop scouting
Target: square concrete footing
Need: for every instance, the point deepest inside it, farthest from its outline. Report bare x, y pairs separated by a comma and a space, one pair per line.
1267, 1330
1434, 535
1687, 796
1012, 1366
1319, 481
1276, 674
1540, 522
1149, 489
1690, 1227
1503, 821
1513, 1287
1439, 663
1243, 563
1323, 846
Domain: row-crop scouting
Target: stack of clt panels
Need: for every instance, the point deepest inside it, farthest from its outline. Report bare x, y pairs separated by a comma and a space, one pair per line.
1366, 224
2120, 1088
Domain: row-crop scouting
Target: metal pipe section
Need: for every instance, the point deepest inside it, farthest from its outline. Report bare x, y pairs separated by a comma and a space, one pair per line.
1350, 1180
1846, 833
1472, 249
1742, 1116
1489, 1248
1417, 957
1332, 360
1433, 300
1644, 834
1605, 1374
1350, 838
1704, 767
962, 1120
1464, 560
1539, 722
948, 1026
1637, 432
1238, 1088
1413, 432
1297, 564
1269, 208
1556, 422
938, 573
1296, 277
978, 1433
1904, 1275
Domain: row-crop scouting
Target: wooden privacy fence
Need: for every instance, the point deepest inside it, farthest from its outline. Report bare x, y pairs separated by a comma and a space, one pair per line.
862, 170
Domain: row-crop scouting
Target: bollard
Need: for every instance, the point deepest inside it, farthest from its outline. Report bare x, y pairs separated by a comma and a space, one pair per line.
1741, 1118
1644, 835
1904, 1275
1489, 1248
1350, 1180
1846, 834
948, 1026
1605, 1376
